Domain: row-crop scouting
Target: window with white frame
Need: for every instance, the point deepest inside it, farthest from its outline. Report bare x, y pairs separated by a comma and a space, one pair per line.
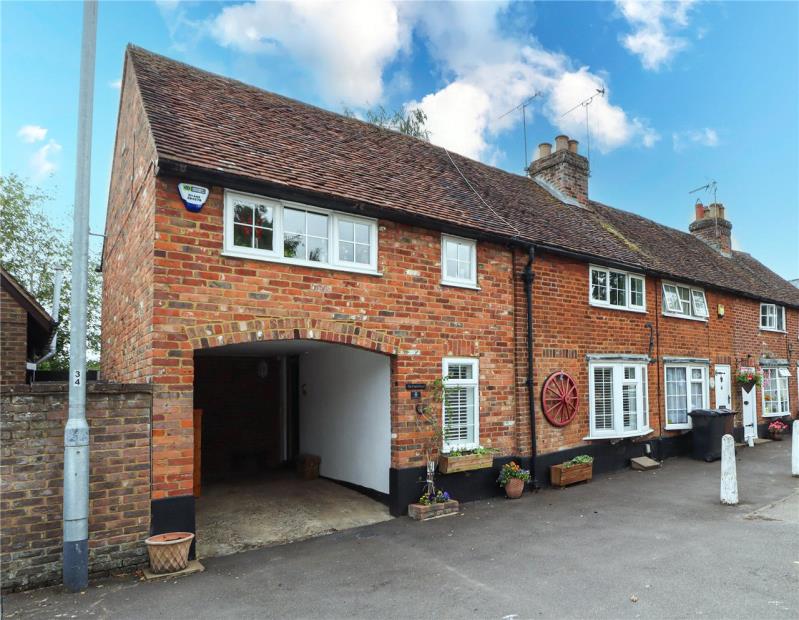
772, 317
684, 301
281, 231
458, 261
618, 399
616, 289
686, 390
461, 403
776, 401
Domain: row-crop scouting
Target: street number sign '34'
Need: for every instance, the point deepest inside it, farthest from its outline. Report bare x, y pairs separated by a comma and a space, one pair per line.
193, 196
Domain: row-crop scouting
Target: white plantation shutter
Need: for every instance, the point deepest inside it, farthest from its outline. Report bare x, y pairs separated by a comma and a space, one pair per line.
603, 398
618, 403
460, 403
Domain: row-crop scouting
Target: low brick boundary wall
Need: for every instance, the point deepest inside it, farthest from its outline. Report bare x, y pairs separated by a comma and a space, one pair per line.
31, 480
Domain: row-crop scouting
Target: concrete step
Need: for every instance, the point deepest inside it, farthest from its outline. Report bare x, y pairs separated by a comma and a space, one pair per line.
644, 463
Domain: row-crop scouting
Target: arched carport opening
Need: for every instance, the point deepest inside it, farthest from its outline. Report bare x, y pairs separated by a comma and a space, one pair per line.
263, 404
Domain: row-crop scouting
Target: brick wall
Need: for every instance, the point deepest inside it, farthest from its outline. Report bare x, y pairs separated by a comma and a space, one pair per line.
405, 312
31, 469
128, 248
13, 340
567, 329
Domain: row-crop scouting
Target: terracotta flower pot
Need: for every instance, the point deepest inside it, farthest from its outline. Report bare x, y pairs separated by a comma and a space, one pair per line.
169, 553
514, 488
775, 436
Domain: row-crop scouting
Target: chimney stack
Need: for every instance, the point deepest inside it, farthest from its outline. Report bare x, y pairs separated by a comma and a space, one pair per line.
711, 227
564, 168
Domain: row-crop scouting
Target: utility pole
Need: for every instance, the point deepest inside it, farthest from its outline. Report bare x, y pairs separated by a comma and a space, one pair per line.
76, 433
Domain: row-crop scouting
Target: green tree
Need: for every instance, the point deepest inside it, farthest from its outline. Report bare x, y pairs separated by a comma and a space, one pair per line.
33, 248
410, 122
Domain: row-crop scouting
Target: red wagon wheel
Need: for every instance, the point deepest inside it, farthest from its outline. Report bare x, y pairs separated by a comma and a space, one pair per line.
559, 399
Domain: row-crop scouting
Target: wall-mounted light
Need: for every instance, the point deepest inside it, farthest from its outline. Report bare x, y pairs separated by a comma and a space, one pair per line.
720, 310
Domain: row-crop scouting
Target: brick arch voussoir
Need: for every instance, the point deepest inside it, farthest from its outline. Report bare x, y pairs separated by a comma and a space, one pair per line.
267, 329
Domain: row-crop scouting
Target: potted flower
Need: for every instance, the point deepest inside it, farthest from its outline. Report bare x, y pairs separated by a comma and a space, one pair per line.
747, 379
578, 469
465, 460
513, 477
433, 505
776, 429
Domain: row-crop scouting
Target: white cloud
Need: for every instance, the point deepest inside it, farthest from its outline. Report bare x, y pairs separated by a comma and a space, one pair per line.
682, 140
31, 133
343, 46
654, 25
115, 84
41, 162
495, 72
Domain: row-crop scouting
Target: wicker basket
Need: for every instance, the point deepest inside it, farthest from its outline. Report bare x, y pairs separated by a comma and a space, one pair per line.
169, 553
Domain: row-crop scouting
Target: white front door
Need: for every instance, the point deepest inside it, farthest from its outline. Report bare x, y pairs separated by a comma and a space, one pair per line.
723, 392
750, 414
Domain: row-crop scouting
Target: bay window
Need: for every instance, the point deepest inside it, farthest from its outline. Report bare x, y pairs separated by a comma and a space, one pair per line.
686, 390
611, 288
776, 401
684, 301
281, 231
618, 399
461, 404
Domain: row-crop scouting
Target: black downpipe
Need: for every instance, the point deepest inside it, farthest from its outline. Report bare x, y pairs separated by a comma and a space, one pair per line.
527, 276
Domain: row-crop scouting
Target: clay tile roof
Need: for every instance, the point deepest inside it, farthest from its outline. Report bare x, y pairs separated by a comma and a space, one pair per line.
224, 126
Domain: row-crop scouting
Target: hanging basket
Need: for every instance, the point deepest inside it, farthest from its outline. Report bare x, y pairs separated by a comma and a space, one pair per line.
169, 553
747, 385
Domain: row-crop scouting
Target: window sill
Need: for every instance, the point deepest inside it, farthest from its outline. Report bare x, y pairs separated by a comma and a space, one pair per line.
677, 427
448, 448
299, 263
774, 331
472, 287
597, 304
700, 319
639, 433
776, 415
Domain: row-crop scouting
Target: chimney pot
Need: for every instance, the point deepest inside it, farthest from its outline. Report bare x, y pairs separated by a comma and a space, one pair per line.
573, 145
544, 149
562, 143
700, 211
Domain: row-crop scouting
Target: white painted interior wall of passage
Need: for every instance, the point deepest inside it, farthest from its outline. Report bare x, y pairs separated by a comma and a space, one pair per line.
345, 414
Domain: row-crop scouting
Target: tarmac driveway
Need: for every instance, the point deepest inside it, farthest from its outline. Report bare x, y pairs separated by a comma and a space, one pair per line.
631, 544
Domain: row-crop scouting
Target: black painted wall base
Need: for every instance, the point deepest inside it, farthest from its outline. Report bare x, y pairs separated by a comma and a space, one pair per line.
406, 485
173, 514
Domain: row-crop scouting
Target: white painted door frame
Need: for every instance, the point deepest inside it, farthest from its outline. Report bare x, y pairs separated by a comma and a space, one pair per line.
723, 386
749, 409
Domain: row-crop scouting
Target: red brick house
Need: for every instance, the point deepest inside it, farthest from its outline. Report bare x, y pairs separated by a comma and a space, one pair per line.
26, 330
333, 270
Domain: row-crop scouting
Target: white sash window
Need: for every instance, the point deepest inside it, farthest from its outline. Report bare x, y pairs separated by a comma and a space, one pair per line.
461, 403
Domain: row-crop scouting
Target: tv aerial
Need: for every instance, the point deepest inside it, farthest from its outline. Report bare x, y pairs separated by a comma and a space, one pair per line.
523, 107
600, 92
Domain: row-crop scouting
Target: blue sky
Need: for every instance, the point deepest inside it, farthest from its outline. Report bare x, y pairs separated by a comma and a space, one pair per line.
694, 91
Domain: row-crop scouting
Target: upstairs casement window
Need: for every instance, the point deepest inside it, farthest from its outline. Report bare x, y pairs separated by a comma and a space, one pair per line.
461, 409
611, 288
772, 317
684, 301
458, 261
686, 390
286, 232
776, 401
618, 400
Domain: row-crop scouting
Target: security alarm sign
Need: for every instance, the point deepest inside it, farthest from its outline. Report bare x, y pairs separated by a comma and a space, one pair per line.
193, 196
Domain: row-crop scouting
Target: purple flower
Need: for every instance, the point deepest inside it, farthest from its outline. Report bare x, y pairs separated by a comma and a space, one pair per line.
446, 496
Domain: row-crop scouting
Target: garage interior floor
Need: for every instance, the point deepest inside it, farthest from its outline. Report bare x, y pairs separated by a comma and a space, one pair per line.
275, 509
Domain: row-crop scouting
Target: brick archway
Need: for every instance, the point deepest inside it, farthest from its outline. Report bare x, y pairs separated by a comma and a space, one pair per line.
266, 329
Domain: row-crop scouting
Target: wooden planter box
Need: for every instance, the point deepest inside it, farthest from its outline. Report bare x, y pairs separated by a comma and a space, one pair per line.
564, 476
452, 464
422, 512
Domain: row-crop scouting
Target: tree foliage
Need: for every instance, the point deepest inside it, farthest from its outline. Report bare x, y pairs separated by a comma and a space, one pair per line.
33, 248
410, 122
